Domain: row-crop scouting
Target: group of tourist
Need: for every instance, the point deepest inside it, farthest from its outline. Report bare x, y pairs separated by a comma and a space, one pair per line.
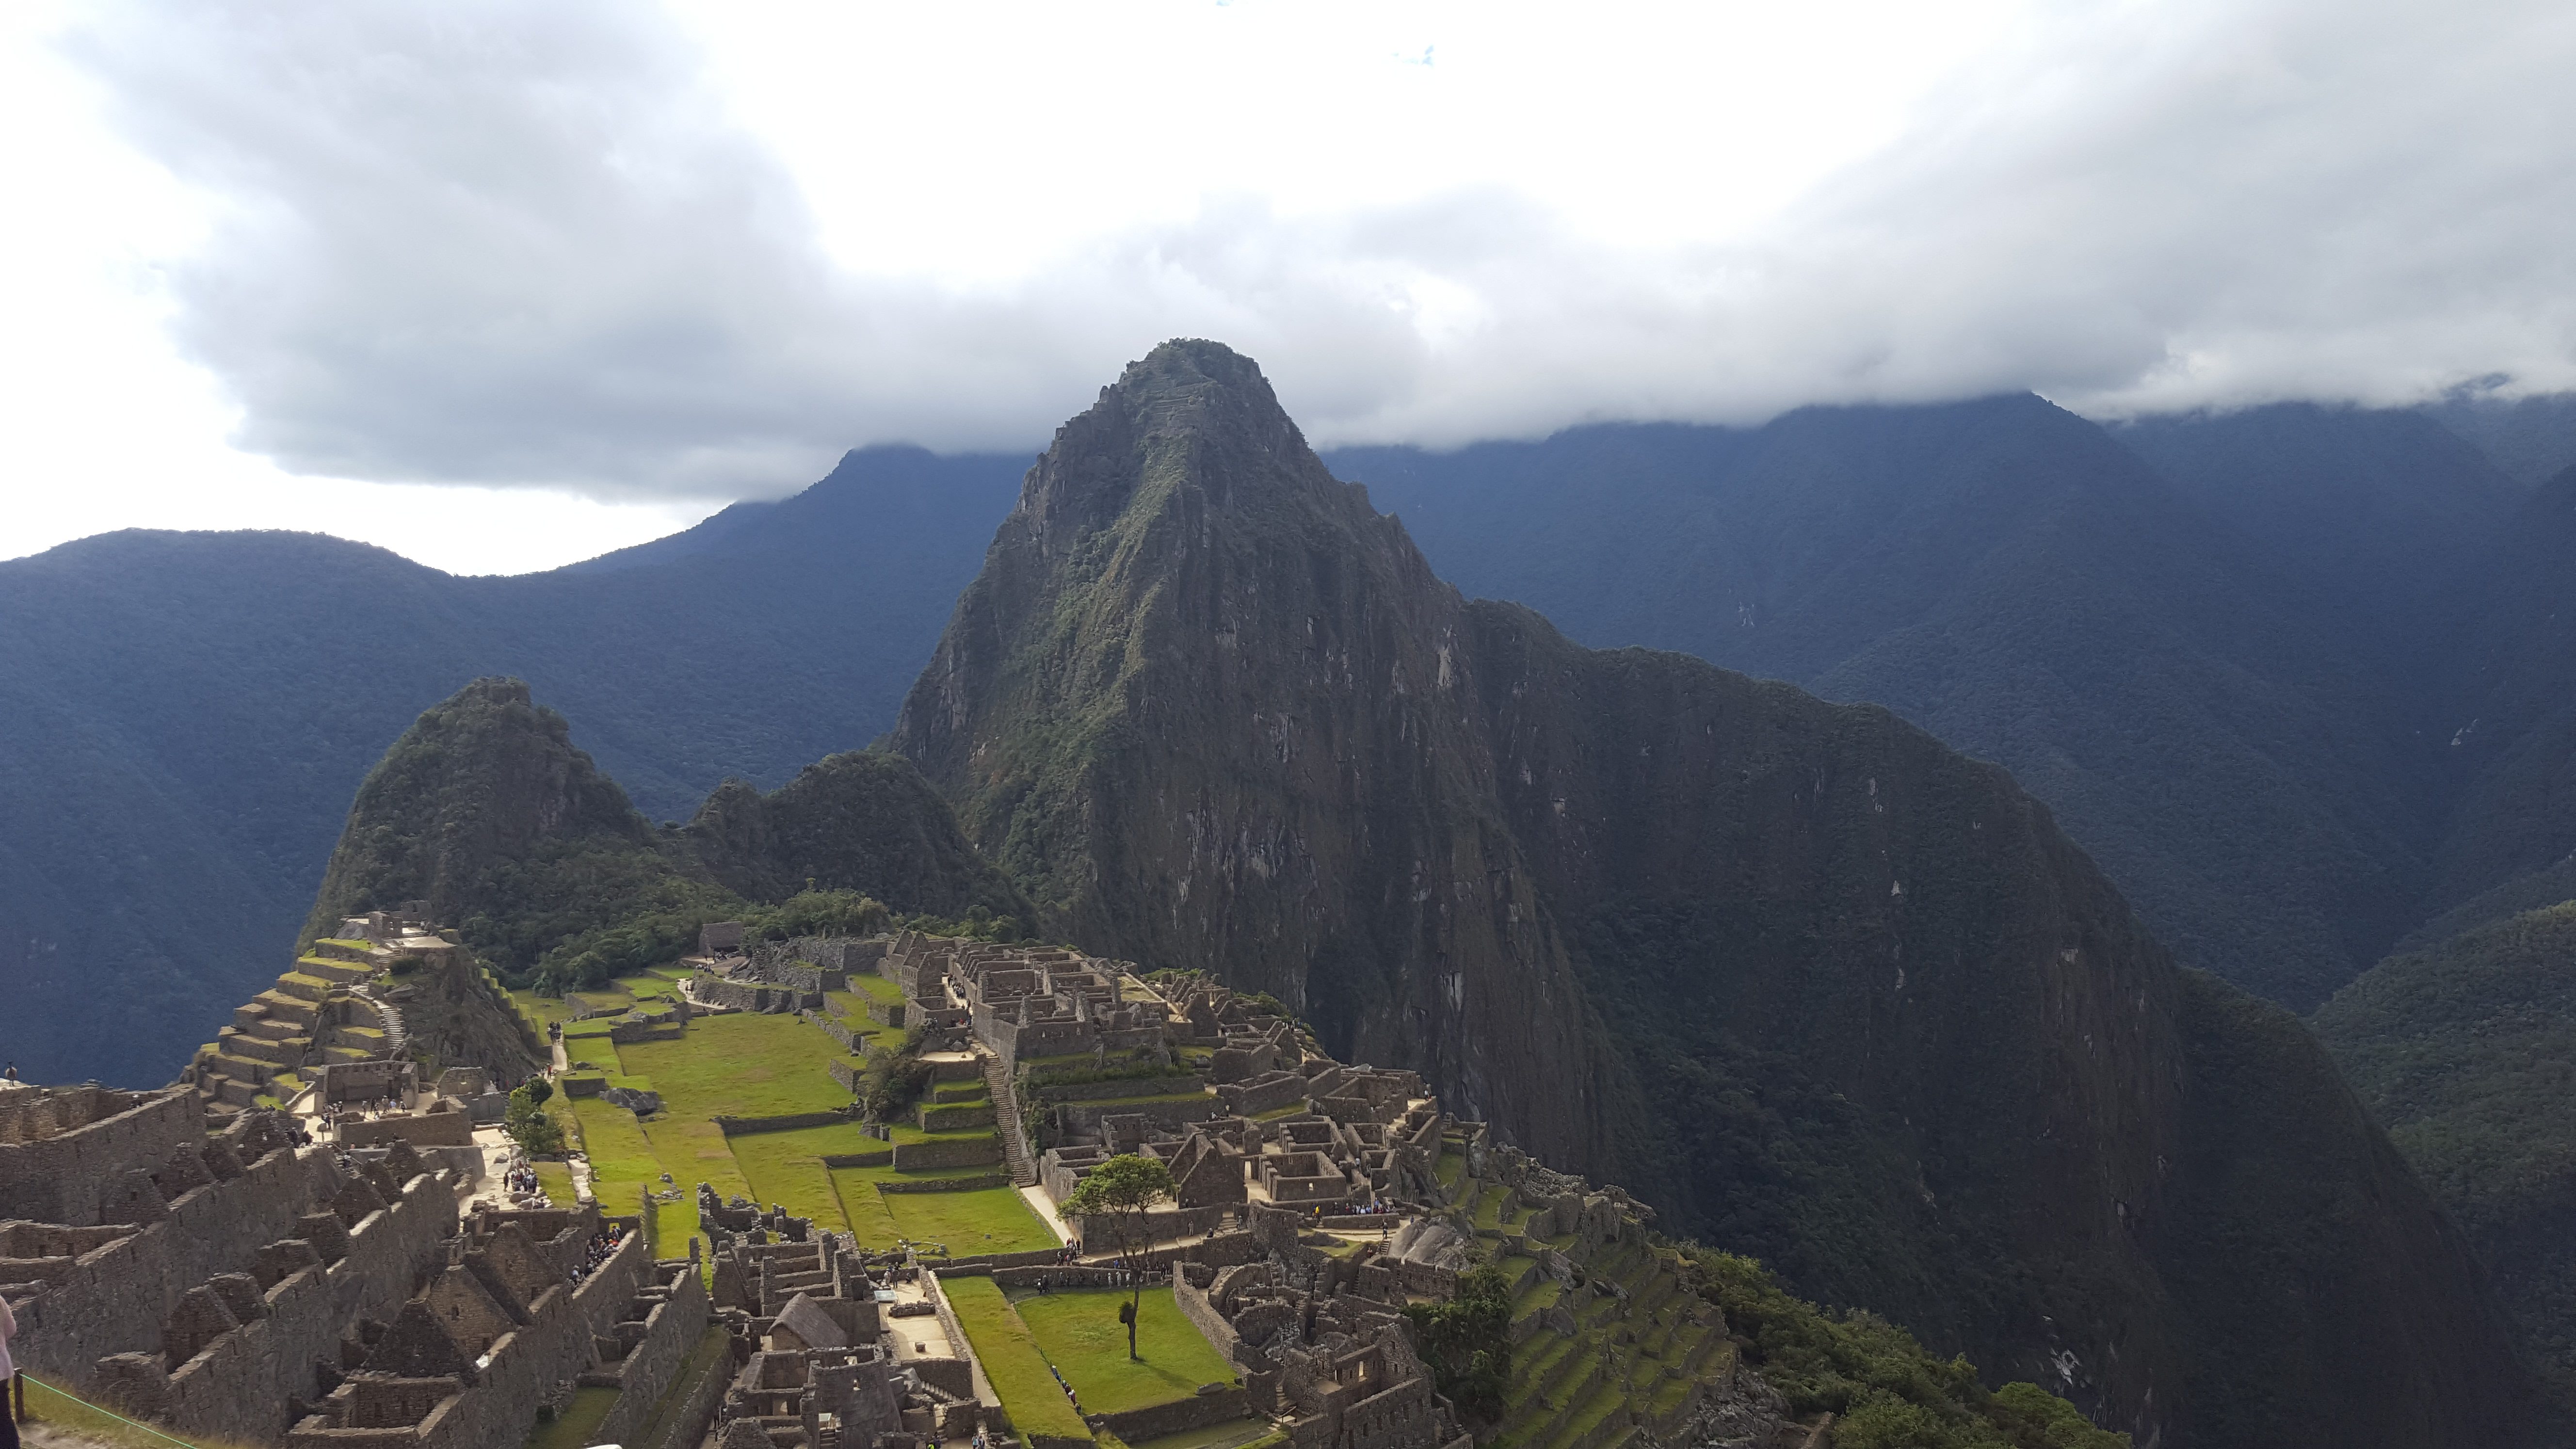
599, 1251
519, 1179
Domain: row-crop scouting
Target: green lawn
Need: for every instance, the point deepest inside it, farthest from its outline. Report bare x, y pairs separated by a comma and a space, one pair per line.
1080, 1334
620, 1154
787, 1167
556, 1179
986, 1220
742, 1065
865, 1207
1012, 1362
877, 989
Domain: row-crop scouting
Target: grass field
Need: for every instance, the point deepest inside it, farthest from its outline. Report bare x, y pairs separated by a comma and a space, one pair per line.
986, 1220
556, 1179
620, 1154
877, 989
1012, 1361
787, 1168
1080, 1334
741, 1065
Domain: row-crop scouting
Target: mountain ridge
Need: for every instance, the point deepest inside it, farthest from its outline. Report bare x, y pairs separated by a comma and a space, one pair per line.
1213, 709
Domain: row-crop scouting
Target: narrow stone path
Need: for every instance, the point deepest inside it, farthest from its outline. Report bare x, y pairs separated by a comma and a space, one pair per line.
1006, 1120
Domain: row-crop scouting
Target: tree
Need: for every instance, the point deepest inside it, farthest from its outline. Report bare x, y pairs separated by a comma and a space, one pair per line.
1124, 1190
537, 1134
1468, 1341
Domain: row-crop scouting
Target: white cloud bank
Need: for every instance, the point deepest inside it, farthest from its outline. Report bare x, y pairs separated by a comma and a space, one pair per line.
668, 255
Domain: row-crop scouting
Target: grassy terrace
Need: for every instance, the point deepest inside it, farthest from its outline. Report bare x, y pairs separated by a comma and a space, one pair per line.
876, 989
1080, 1334
1012, 1361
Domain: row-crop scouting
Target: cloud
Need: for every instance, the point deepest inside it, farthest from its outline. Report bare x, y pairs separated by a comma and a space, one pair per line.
503, 244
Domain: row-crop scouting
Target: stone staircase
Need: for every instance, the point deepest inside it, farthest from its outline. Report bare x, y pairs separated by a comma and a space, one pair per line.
300, 1022
1006, 1121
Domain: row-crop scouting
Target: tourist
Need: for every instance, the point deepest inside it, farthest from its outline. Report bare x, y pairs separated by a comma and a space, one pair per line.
8, 1375
11, 1075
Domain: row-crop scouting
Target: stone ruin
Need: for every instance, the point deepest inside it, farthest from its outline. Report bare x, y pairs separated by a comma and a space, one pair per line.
232, 1282
817, 1362
521, 1308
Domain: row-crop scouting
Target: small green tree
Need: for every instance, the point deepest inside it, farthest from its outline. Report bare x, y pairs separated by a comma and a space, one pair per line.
1124, 1190
537, 1134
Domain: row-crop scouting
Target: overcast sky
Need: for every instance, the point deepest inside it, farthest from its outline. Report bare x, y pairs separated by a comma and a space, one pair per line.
501, 285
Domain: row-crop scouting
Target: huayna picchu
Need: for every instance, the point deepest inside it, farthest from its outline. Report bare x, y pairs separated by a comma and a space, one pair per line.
1255, 997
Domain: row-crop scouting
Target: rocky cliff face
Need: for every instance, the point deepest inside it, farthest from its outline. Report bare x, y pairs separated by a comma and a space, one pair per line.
1816, 985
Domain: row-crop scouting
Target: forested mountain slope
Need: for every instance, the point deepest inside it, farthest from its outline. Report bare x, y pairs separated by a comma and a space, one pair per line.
184, 717
2467, 1051
485, 813
1812, 982
2011, 578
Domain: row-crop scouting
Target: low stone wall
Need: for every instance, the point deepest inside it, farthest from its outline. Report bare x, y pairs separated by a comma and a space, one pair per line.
959, 1152
1135, 1426
430, 1129
835, 1028
1160, 1224
881, 1158
625, 1032
1051, 1092
582, 1084
1062, 1275
671, 1330
946, 1184
955, 1117
847, 1073
1084, 1117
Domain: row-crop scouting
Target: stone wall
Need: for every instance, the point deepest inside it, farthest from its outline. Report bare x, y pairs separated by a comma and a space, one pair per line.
1264, 1094
1196, 1412
1157, 1086
1083, 1118
671, 1330
122, 1292
61, 1152
429, 1129
955, 1152
1194, 1305
789, 1122
239, 1382
553, 1346
1099, 1232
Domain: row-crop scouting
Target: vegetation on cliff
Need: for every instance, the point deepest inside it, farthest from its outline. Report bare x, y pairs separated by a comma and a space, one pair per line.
488, 814
1885, 1389
1795, 972
2467, 1052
